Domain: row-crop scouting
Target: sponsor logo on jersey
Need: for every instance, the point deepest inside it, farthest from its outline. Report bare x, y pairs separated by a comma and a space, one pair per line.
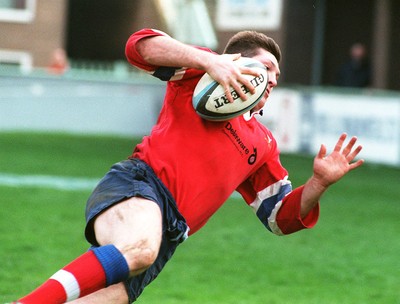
253, 157
240, 145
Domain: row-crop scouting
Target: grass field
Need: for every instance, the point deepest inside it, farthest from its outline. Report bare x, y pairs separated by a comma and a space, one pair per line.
351, 256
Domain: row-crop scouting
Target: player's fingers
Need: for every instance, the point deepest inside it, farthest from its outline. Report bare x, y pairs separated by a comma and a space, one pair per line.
246, 81
234, 56
322, 152
249, 71
339, 143
354, 154
228, 93
349, 146
238, 90
246, 86
356, 164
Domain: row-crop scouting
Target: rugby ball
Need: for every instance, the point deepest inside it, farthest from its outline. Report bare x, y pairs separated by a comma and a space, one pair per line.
211, 103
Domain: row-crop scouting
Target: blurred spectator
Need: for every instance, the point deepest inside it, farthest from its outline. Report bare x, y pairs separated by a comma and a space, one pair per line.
58, 62
356, 72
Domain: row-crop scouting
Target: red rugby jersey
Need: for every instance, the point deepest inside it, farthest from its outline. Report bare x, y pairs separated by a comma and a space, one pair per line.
202, 163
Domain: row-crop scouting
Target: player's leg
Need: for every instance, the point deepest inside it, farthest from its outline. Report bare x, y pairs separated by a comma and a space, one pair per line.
135, 228
115, 294
139, 249
129, 234
136, 222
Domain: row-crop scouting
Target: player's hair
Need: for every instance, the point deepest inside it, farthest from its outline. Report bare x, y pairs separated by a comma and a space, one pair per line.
248, 42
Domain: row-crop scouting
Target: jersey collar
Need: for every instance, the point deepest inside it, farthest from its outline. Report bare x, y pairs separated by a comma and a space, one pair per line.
248, 115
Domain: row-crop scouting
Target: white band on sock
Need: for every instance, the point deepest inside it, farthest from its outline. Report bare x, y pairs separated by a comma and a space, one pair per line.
69, 282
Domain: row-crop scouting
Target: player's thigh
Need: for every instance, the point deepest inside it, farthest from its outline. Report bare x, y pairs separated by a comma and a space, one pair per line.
133, 222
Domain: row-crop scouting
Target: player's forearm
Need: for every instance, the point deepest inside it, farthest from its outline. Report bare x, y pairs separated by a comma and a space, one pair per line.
115, 294
312, 193
166, 51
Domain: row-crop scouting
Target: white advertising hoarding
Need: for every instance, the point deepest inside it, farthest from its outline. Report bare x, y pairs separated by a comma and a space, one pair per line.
375, 121
248, 14
282, 116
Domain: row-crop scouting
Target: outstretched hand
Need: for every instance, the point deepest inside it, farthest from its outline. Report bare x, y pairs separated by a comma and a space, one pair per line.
328, 169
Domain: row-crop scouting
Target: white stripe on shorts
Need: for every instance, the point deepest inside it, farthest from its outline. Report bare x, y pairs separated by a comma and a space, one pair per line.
69, 282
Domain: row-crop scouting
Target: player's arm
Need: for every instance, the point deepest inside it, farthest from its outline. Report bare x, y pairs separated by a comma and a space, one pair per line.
328, 169
285, 211
115, 294
300, 207
168, 52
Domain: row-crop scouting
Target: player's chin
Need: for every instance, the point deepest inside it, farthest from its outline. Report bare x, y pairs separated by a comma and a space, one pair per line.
261, 104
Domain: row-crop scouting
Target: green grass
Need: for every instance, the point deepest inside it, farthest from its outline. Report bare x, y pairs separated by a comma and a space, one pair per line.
60, 154
351, 256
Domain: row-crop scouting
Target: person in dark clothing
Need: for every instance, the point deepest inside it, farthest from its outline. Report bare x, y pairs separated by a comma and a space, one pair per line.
356, 72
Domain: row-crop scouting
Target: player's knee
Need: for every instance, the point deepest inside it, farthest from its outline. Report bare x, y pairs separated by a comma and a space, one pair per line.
147, 257
140, 256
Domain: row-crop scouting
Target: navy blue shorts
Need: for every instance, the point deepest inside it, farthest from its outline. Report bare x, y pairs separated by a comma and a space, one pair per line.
131, 178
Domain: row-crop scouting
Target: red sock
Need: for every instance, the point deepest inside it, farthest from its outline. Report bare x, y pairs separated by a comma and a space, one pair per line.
81, 277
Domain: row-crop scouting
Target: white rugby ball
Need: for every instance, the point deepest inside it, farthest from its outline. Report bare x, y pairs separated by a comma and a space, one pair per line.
211, 103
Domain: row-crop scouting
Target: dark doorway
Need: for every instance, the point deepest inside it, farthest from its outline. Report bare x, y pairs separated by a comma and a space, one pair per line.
98, 29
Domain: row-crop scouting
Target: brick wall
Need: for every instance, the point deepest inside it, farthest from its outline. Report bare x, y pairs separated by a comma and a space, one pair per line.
41, 36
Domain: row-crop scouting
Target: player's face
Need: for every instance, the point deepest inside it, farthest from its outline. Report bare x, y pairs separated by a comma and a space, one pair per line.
273, 72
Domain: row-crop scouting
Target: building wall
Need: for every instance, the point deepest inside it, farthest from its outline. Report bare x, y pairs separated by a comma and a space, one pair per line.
298, 35
98, 30
40, 37
394, 47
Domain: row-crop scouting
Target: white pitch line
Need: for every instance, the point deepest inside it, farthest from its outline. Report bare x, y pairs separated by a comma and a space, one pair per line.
48, 181
55, 182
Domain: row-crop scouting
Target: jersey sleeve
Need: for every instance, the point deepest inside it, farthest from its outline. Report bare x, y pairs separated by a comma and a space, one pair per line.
269, 192
132, 55
288, 219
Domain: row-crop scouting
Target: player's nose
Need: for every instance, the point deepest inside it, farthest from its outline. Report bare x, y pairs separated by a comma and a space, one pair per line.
272, 80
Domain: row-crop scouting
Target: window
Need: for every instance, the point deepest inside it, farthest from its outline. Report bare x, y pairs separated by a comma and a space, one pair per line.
233, 15
16, 58
22, 11
189, 21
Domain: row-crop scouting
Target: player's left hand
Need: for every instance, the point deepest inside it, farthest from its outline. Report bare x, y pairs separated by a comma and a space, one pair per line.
328, 169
